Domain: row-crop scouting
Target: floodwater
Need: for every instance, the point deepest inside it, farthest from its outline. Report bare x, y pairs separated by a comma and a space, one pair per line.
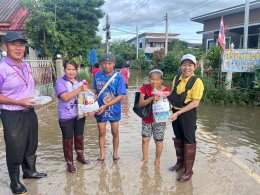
227, 161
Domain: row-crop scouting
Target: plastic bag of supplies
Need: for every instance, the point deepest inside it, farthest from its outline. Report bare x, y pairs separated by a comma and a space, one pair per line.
161, 110
87, 104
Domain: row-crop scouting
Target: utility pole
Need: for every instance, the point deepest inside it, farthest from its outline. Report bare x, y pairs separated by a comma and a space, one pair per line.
108, 35
166, 35
137, 42
55, 13
246, 24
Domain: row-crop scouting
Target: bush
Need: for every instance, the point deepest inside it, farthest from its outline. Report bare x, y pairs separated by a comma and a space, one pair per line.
83, 76
142, 63
218, 94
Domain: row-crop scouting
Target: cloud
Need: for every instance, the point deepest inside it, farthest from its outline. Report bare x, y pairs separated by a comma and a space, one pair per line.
125, 15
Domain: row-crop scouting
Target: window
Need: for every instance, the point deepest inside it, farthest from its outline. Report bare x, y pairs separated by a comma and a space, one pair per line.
152, 44
252, 41
210, 43
228, 42
141, 45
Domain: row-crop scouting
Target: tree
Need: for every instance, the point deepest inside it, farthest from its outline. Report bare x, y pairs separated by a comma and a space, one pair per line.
178, 45
123, 51
63, 26
213, 57
142, 63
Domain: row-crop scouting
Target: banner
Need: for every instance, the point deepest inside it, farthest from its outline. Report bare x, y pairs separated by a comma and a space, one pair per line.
241, 60
92, 57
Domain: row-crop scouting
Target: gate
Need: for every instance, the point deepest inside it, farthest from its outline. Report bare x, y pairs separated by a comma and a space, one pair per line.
42, 74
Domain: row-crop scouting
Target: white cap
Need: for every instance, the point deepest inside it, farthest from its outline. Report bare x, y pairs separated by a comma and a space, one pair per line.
189, 57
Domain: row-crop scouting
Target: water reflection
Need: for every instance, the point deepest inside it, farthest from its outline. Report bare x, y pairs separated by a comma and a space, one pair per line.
150, 183
234, 129
145, 180
228, 155
102, 185
116, 180
125, 107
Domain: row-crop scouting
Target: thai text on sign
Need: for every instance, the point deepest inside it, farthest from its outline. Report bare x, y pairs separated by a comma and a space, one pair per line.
241, 60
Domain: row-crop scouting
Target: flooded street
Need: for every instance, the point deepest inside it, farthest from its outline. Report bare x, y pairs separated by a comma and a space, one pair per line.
227, 160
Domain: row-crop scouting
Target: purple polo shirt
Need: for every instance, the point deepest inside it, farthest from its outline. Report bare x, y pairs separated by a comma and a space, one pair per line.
67, 110
16, 83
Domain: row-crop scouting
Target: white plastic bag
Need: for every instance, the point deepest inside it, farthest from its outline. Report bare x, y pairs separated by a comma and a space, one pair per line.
161, 110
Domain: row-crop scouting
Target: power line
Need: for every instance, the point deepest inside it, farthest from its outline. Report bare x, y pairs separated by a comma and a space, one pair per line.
192, 9
151, 25
135, 11
160, 21
123, 31
121, 17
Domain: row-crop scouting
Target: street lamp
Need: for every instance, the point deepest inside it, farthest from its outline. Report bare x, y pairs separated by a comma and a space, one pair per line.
58, 56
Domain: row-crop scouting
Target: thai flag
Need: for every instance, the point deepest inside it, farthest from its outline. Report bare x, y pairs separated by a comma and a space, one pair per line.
221, 34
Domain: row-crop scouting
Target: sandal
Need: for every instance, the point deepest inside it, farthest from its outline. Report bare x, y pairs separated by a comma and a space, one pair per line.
116, 158
99, 160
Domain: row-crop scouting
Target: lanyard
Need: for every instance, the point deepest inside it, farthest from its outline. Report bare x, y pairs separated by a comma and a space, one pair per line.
23, 76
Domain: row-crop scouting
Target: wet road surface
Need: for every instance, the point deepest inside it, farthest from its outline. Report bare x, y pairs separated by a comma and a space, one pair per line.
227, 161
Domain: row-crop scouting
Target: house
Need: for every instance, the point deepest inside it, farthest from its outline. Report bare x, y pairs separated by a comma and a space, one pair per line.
234, 21
12, 18
151, 42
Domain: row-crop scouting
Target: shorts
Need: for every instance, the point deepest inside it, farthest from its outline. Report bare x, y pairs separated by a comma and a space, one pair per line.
111, 121
157, 129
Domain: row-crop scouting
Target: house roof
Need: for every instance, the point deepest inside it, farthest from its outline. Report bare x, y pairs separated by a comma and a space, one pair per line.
154, 35
12, 16
227, 11
159, 40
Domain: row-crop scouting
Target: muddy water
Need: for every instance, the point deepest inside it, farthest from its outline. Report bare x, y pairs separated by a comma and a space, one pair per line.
227, 161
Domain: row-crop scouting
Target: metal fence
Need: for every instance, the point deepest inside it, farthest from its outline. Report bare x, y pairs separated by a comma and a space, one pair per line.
42, 74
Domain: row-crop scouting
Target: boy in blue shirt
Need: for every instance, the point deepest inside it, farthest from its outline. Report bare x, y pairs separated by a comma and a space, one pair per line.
109, 101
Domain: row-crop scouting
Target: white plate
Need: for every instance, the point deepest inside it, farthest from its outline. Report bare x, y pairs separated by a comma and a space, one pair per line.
41, 100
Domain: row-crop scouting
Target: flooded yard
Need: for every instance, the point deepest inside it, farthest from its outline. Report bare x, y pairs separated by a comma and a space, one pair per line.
227, 161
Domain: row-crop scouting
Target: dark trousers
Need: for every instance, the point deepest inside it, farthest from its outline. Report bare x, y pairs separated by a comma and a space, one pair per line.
72, 127
21, 136
184, 126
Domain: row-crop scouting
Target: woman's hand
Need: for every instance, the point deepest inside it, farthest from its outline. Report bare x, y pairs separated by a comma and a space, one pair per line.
84, 87
156, 98
174, 116
166, 93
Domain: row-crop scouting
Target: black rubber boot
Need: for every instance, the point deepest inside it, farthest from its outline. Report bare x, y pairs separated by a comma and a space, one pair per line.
179, 148
79, 147
68, 154
16, 186
29, 170
189, 158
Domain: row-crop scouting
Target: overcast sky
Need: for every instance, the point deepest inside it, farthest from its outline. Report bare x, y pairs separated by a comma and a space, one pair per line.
125, 15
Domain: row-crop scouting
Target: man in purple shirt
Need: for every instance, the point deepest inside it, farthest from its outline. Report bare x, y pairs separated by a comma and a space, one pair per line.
19, 119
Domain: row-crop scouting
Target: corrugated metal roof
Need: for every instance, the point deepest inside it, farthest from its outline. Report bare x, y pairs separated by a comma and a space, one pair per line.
8, 9
12, 16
